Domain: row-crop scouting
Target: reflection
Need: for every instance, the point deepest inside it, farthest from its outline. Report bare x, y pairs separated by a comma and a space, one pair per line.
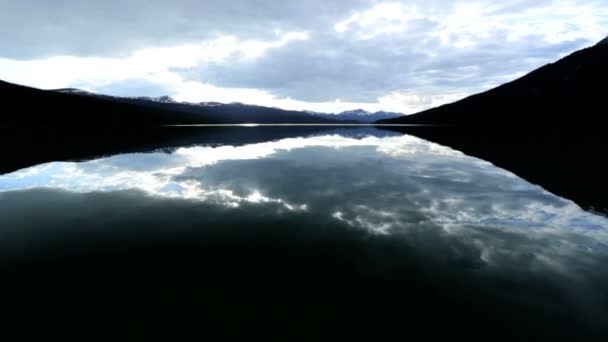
340, 220
382, 183
564, 161
156, 173
69, 144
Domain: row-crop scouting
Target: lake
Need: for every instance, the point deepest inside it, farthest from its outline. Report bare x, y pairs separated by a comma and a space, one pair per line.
355, 224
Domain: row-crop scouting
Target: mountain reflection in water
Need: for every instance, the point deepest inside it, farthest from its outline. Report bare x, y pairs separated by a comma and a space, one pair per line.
325, 215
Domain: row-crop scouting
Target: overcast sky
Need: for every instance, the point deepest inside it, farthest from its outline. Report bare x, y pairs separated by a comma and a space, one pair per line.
323, 55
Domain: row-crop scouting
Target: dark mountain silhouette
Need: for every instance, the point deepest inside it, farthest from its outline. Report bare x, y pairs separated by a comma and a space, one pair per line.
548, 126
77, 108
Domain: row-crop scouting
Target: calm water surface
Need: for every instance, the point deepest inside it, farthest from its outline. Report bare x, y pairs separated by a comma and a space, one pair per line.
348, 217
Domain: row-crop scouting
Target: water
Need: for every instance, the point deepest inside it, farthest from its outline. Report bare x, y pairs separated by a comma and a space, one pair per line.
348, 219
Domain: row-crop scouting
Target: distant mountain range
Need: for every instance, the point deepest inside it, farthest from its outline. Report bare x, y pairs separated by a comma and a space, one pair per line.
359, 115
75, 91
74, 107
351, 116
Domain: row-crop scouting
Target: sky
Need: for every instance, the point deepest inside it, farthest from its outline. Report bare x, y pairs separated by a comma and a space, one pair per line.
319, 55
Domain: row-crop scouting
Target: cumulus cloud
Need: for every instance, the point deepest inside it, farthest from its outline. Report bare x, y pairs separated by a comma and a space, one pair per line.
319, 55
117, 28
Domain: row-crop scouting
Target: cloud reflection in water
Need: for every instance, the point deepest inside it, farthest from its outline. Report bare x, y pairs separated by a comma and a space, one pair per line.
390, 185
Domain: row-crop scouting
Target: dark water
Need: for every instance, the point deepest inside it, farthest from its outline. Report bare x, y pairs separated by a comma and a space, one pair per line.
353, 226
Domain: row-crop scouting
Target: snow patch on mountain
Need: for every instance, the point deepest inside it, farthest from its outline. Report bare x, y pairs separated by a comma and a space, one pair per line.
75, 91
161, 99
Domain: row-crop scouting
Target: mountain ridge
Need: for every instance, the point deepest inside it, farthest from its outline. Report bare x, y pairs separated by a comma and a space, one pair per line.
355, 115
73, 107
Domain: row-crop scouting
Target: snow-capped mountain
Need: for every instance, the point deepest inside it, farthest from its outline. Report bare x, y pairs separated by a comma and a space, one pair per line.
359, 115
351, 116
160, 99
74, 91
210, 104
169, 111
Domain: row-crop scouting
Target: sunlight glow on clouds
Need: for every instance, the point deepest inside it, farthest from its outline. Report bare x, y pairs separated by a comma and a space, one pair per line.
325, 56
151, 63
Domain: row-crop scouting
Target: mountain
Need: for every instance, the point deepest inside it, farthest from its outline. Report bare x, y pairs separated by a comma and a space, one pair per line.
548, 127
352, 116
77, 108
74, 91
359, 115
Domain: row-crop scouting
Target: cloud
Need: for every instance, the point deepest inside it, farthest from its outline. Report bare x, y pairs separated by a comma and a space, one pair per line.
319, 55
39, 28
129, 87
